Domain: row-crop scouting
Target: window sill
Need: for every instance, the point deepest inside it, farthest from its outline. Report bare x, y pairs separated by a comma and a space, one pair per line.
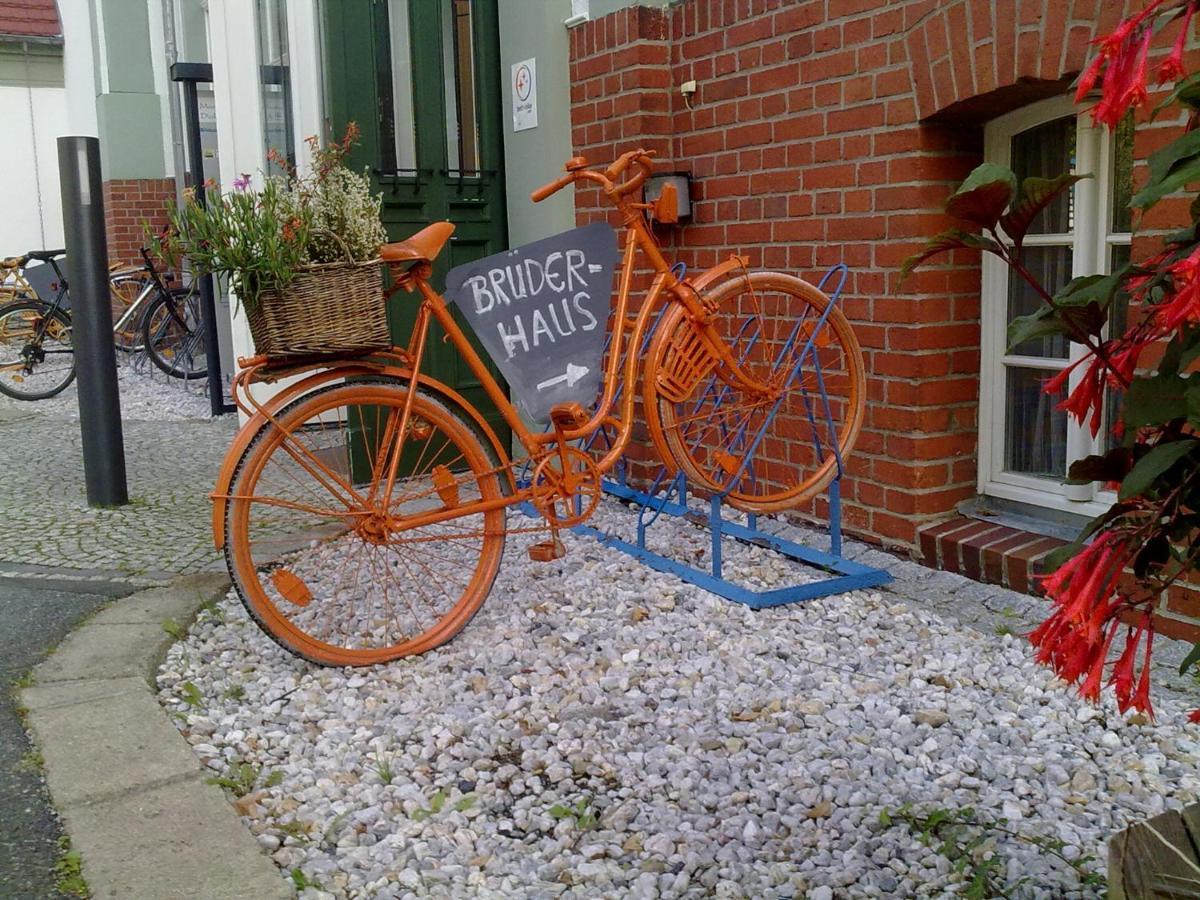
1055, 523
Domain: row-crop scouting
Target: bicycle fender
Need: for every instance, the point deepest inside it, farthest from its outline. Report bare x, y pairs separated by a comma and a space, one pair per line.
220, 494
717, 272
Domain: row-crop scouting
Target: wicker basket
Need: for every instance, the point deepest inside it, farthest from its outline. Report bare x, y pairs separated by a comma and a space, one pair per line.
328, 308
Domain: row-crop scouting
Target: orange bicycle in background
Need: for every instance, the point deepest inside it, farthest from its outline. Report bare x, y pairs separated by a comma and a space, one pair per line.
363, 509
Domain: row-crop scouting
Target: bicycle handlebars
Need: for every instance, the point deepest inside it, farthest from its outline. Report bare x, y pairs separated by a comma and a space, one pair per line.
576, 169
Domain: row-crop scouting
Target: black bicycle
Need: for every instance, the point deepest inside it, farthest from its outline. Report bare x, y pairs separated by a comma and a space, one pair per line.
37, 358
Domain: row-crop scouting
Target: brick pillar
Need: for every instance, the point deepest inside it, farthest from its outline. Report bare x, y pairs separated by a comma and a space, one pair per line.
129, 203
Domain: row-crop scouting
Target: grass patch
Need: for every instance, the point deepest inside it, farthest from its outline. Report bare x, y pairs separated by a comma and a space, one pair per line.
68, 871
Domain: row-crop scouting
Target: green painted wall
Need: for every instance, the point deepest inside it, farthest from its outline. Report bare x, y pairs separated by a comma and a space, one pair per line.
190, 34
35, 65
129, 112
534, 29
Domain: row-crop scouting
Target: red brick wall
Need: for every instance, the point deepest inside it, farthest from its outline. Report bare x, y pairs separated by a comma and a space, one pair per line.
833, 132
128, 203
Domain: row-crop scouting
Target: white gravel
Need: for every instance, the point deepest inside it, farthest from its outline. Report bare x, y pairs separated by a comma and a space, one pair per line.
147, 394
601, 730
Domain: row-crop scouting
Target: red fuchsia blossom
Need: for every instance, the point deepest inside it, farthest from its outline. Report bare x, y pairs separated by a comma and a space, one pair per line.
1087, 397
1120, 65
1171, 68
1075, 640
1184, 305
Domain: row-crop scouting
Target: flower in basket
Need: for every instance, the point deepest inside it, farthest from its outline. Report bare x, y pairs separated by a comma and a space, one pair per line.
299, 252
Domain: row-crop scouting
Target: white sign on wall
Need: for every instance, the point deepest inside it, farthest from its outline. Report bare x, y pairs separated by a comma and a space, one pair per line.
524, 95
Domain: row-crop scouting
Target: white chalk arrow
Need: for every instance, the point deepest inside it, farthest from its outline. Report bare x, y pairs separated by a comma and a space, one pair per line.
572, 375
592, 267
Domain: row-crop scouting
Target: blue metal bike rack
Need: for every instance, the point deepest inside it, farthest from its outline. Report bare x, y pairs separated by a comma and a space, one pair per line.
670, 496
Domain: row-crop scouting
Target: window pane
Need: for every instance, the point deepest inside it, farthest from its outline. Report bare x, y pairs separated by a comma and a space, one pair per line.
398, 132
1048, 151
275, 84
458, 70
1035, 432
1122, 176
1051, 266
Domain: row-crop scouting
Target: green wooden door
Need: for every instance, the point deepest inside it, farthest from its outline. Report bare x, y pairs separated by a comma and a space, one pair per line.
422, 80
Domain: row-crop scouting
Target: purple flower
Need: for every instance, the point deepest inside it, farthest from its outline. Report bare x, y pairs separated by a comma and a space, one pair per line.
242, 182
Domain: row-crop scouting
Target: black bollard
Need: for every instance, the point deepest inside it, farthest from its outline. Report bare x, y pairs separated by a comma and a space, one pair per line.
91, 321
189, 75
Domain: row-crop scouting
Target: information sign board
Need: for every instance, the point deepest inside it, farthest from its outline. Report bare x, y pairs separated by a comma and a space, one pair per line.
541, 312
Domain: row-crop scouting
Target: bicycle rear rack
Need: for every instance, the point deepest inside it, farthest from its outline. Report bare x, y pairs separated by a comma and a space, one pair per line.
670, 495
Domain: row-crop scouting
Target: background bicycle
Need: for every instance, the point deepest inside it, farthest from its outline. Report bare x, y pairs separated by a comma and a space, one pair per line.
36, 352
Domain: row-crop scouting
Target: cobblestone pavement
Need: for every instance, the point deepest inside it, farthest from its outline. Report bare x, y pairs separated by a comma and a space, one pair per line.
50, 531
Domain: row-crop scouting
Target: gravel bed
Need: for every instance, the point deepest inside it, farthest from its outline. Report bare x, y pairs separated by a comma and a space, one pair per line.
602, 730
147, 394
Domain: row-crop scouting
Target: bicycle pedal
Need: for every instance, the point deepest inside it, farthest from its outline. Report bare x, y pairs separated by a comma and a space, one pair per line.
547, 551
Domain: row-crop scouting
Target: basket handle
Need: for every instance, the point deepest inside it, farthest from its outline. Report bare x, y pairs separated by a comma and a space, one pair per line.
341, 243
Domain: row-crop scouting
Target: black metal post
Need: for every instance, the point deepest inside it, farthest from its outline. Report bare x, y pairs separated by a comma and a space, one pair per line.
91, 321
190, 74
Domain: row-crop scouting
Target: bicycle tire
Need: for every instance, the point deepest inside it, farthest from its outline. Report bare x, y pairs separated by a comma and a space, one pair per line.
23, 355
290, 565
770, 452
171, 340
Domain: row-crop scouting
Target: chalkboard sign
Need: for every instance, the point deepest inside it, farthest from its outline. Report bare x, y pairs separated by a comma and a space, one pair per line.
541, 312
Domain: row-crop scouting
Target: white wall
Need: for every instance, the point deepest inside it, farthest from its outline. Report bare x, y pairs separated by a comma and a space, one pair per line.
33, 119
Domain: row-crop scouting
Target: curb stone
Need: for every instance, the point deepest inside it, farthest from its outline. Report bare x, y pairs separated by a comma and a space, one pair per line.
131, 794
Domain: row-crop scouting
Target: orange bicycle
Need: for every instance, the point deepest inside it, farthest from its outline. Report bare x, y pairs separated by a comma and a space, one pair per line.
362, 510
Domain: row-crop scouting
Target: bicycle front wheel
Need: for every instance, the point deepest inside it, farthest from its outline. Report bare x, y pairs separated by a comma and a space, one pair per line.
37, 359
330, 567
773, 447
172, 336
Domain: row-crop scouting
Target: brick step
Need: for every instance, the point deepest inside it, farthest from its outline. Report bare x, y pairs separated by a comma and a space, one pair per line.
1000, 554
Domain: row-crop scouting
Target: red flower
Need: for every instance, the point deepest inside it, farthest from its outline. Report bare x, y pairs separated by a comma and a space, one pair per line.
1087, 397
1076, 638
1172, 68
1120, 66
1184, 305
1194, 716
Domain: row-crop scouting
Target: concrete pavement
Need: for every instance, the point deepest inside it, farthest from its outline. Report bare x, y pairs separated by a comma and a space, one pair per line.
129, 790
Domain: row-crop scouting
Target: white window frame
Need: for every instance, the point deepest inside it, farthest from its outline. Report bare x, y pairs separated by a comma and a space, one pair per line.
1091, 254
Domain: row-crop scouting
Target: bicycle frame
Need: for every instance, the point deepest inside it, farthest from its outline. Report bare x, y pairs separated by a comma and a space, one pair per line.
621, 367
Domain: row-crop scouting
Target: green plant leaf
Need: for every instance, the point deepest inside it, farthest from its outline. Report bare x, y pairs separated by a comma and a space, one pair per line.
1191, 659
1090, 318
950, 239
1171, 168
1187, 92
1149, 467
437, 801
1153, 401
1036, 195
1035, 325
1112, 466
983, 197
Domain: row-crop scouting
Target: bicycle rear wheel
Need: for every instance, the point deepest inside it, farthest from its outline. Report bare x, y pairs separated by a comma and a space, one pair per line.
770, 450
330, 568
37, 359
172, 336
124, 287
